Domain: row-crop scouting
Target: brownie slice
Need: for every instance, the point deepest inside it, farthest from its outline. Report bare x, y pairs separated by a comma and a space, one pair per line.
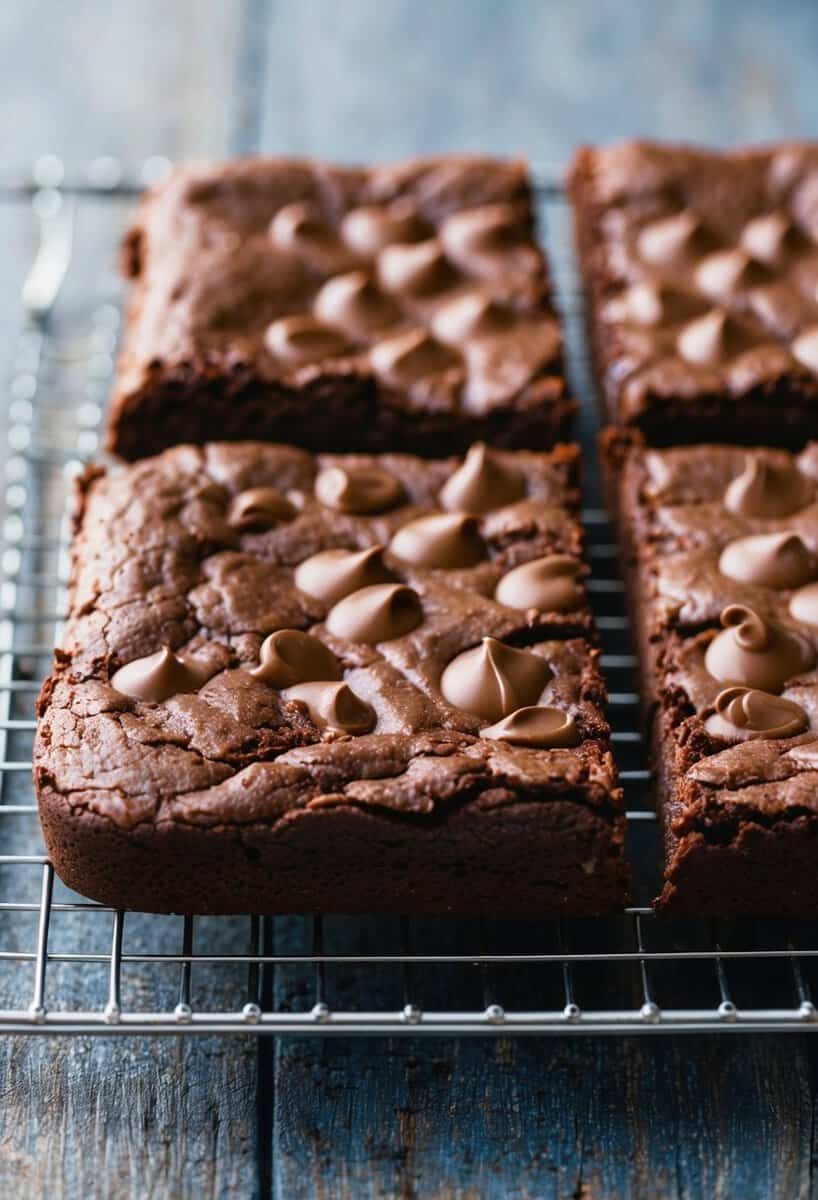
401, 307
331, 684
721, 550
701, 273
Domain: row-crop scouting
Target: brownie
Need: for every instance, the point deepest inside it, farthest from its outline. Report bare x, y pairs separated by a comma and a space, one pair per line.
334, 684
701, 276
401, 307
721, 551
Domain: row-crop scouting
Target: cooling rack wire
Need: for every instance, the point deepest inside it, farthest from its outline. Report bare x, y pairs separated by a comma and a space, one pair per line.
72, 967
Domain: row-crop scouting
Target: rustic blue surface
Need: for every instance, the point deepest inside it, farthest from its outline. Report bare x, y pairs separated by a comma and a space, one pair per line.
366, 79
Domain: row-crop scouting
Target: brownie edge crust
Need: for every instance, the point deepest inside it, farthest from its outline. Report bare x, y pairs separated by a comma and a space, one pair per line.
518, 859
178, 767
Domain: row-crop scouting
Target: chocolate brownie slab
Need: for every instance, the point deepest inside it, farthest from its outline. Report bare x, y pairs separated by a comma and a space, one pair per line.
701, 276
721, 545
401, 307
331, 684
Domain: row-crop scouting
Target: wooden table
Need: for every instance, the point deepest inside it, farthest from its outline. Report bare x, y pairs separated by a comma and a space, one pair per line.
686, 1117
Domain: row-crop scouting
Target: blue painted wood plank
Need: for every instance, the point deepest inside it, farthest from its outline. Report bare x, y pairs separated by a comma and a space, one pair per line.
383, 78
91, 78
525, 1117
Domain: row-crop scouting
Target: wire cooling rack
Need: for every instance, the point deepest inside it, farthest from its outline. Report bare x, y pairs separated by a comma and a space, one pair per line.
70, 966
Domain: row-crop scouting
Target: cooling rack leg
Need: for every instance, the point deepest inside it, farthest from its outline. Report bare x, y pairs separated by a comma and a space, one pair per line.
252, 1008
37, 1007
571, 1010
650, 1010
412, 1013
806, 1008
727, 1009
183, 1011
494, 1012
253, 983
320, 1009
113, 1009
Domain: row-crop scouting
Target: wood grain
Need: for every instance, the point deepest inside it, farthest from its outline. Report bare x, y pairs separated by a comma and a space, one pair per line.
545, 1118
527, 1117
130, 1117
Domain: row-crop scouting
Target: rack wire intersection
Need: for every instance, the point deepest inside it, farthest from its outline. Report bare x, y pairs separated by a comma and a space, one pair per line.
73, 967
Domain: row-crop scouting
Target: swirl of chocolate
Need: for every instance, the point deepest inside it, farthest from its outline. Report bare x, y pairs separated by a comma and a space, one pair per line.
765, 489
492, 680
371, 227
488, 235
537, 725
805, 349
769, 237
804, 604
774, 560
743, 714
332, 574
670, 239
259, 508
482, 482
649, 304
161, 675
302, 339
289, 656
409, 357
727, 271
643, 304
334, 706
376, 614
354, 303
549, 584
358, 490
711, 339
419, 269
440, 540
473, 315
296, 226
298, 229
756, 652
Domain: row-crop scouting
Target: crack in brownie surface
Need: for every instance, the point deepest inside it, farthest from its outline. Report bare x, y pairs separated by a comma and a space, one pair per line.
403, 307
267, 651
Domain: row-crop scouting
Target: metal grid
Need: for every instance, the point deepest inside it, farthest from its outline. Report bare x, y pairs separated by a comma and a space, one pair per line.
70, 966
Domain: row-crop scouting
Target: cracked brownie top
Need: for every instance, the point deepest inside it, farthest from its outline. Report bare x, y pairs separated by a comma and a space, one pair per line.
727, 542
254, 629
